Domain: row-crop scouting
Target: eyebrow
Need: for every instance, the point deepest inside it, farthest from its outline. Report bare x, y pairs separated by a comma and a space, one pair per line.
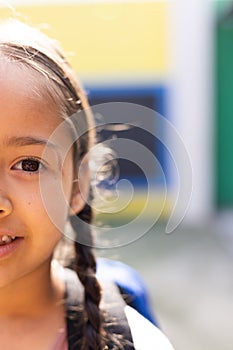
22, 141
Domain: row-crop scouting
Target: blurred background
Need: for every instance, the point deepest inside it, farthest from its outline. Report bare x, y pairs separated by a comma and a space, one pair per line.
175, 57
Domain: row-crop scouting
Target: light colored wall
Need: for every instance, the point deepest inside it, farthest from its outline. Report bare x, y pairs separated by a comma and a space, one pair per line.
191, 96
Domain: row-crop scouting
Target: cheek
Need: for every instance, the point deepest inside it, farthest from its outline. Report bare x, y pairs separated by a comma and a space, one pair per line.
54, 204
41, 203
55, 194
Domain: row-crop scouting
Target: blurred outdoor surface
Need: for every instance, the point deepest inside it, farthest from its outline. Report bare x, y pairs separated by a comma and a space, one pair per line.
190, 280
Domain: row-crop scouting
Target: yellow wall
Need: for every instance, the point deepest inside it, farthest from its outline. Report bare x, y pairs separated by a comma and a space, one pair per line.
115, 37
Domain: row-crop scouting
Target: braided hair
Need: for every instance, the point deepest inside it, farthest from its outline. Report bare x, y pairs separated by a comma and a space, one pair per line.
31, 50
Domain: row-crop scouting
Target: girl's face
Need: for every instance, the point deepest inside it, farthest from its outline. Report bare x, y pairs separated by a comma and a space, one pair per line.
26, 124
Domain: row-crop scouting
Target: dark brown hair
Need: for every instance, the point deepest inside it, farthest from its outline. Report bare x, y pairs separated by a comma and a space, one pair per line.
31, 50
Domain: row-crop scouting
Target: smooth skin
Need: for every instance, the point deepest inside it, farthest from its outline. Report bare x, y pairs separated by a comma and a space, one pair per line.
31, 295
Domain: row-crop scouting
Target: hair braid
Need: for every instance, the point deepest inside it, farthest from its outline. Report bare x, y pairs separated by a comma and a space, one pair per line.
85, 266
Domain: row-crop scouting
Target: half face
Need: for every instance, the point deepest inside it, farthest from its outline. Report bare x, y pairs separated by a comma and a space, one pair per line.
28, 235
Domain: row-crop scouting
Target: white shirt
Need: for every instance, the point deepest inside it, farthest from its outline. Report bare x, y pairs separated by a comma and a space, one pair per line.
145, 335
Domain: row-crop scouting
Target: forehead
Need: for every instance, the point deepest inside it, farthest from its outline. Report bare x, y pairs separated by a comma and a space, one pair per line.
27, 109
26, 80
23, 99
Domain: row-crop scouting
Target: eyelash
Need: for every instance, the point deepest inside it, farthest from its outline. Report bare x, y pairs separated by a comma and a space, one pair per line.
29, 159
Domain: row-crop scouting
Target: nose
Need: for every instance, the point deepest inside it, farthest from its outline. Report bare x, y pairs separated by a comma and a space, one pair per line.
5, 205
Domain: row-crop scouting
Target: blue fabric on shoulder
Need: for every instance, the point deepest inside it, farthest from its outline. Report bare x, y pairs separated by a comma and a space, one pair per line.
130, 283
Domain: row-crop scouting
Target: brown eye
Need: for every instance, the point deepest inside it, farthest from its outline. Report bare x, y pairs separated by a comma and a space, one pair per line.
30, 165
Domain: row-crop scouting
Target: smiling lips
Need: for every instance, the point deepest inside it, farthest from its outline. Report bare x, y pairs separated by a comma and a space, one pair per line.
8, 244
5, 239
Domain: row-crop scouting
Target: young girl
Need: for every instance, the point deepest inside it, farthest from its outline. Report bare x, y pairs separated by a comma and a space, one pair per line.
44, 306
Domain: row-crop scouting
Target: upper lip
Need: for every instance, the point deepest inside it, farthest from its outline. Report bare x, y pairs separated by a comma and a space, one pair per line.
8, 233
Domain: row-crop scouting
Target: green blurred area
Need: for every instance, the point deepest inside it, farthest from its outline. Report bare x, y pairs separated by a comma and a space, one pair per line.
224, 105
